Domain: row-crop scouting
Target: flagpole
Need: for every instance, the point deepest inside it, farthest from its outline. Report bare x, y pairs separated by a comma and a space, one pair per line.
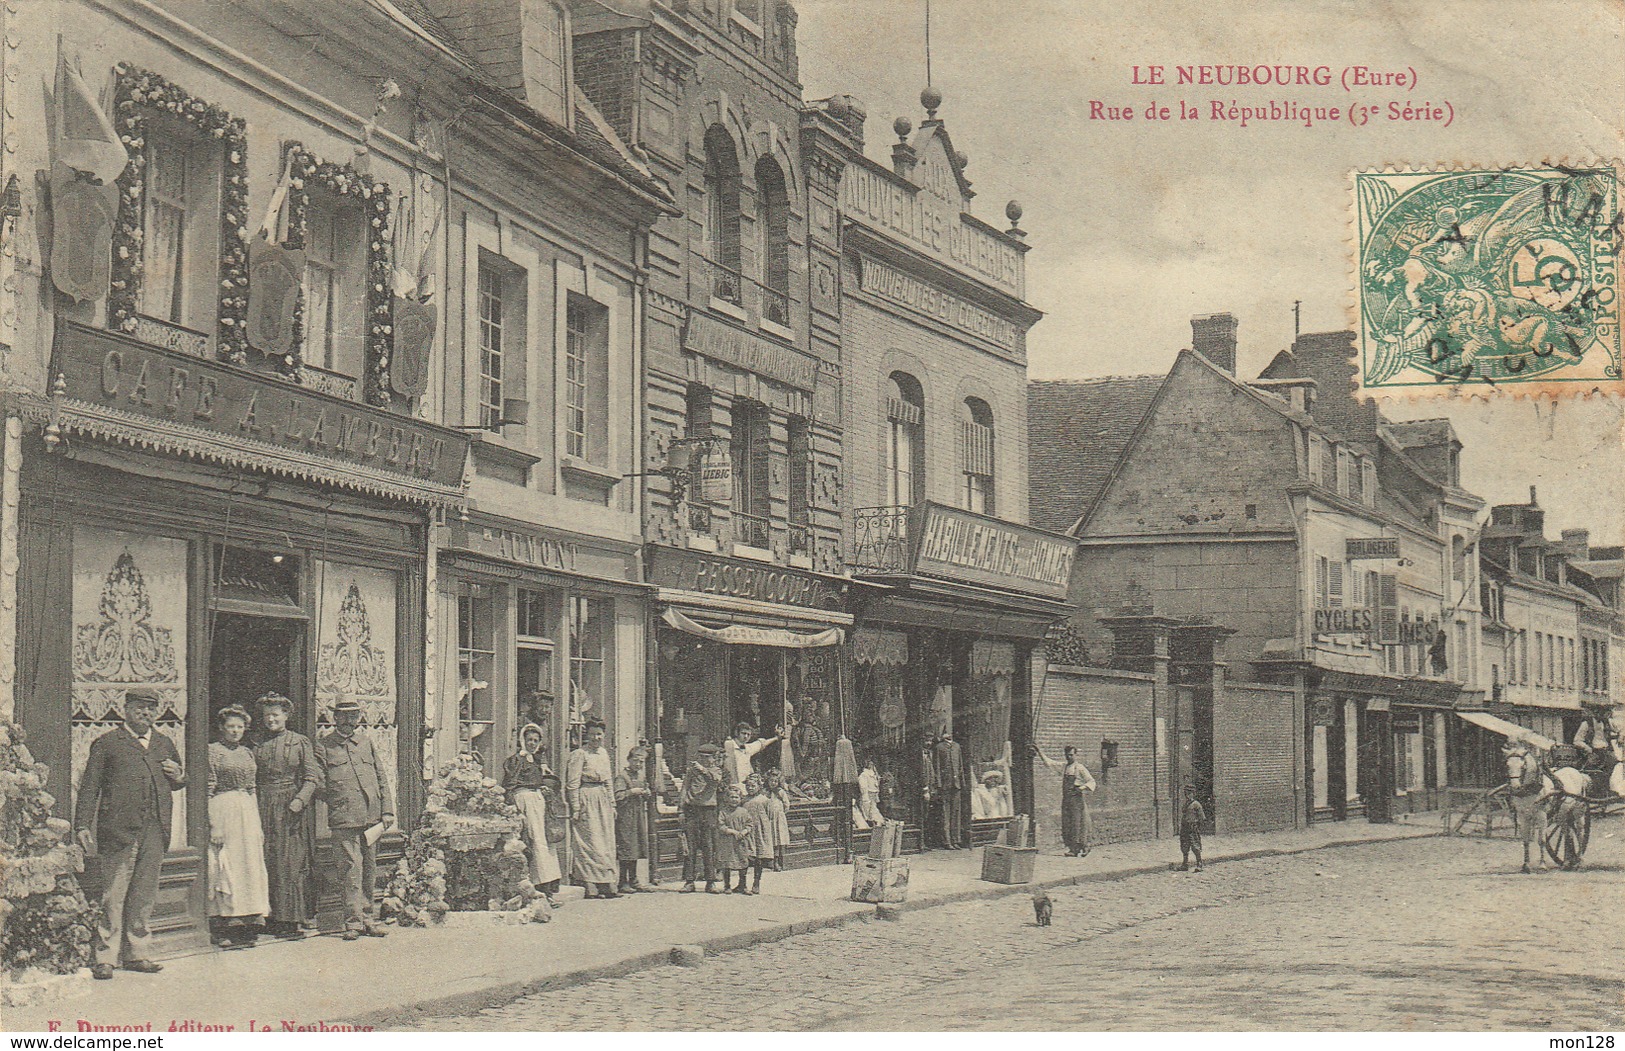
927, 43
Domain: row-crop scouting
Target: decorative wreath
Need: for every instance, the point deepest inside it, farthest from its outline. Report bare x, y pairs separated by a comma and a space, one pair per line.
343, 180
138, 93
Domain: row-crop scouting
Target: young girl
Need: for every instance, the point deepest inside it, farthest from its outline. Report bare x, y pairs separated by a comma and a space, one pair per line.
778, 808
764, 835
733, 848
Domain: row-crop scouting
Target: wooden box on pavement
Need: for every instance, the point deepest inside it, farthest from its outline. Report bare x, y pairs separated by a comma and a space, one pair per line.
1002, 864
880, 880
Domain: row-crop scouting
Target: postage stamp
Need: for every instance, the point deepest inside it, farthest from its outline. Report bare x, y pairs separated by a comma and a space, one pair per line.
1491, 277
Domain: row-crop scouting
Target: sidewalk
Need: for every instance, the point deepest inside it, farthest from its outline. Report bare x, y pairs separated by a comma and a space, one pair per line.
414, 972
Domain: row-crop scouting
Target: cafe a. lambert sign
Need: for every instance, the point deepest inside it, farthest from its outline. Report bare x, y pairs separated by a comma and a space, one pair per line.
135, 379
963, 546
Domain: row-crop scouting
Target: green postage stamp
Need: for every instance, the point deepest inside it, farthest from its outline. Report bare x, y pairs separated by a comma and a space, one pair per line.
1489, 278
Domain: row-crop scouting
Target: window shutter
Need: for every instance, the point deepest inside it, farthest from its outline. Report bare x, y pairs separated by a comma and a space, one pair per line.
1387, 609
1320, 580
1368, 474
1335, 586
1315, 454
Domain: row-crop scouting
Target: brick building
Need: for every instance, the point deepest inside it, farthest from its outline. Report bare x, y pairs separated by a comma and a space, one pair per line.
741, 387
1299, 519
956, 588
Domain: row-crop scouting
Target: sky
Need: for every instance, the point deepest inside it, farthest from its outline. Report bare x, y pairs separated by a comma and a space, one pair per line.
1138, 225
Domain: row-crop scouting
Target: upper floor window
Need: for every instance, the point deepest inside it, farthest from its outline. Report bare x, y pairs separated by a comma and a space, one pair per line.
773, 226
335, 292
180, 229
748, 447
722, 214
905, 441
500, 312
976, 456
697, 410
547, 55
1458, 558
586, 380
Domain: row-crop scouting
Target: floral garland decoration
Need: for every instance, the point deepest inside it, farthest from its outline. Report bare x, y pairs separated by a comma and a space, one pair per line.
137, 93
343, 180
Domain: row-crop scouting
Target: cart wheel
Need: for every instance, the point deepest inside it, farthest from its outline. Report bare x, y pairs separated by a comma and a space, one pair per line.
1584, 830
1552, 843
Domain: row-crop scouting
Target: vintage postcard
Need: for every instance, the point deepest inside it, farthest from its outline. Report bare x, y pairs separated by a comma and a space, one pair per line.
724, 517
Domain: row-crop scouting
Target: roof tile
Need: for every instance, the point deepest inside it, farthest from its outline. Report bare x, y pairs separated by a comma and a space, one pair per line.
1077, 430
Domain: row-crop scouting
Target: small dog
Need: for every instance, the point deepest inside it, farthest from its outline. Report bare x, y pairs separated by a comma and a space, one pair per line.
1043, 907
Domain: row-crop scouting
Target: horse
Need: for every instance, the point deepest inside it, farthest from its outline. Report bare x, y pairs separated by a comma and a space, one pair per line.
1529, 788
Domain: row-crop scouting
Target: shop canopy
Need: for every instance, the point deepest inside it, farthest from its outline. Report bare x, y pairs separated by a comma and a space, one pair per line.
746, 635
1508, 729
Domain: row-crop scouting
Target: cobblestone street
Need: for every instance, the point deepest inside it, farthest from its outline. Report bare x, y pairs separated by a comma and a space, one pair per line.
1434, 934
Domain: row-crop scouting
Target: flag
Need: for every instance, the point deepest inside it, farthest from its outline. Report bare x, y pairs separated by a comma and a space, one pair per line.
85, 139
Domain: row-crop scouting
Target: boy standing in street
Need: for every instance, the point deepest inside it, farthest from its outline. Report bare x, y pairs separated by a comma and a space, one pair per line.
699, 804
1191, 820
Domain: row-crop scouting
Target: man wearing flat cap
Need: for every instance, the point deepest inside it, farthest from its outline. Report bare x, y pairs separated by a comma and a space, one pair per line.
122, 817
699, 805
358, 798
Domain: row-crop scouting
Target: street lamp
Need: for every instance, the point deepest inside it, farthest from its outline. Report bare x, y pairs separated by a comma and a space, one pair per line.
683, 459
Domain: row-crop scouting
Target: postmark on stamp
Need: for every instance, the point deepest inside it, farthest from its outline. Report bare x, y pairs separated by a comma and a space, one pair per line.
1493, 278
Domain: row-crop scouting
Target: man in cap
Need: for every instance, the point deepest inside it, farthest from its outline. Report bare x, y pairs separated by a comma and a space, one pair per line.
123, 817
358, 798
699, 804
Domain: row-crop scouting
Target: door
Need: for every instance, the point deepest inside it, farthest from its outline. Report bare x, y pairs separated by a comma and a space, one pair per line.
1377, 765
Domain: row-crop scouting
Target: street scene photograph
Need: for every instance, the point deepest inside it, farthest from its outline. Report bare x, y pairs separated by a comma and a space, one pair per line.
811, 516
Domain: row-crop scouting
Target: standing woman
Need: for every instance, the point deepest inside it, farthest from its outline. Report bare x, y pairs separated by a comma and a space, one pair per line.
589, 795
238, 894
523, 777
288, 778
1076, 782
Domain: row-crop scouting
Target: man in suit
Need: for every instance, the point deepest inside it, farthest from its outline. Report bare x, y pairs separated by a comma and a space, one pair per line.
950, 790
358, 797
122, 817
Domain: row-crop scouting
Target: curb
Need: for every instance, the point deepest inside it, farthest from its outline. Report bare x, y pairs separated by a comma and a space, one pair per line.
507, 992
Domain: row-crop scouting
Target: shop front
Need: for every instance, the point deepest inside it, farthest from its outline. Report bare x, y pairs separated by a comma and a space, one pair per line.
215, 534
536, 626
746, 642
941, 654
1377, 744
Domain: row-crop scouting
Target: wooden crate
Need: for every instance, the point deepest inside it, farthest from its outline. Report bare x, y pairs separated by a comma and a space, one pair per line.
878, 880
1002, 864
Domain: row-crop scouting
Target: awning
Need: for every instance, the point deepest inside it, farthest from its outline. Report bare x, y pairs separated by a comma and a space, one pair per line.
744, 635
1508, 729
877, 646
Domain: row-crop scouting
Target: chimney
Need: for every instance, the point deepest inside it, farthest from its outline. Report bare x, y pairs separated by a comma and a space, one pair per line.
1214, 337
1578, 541
1532, 501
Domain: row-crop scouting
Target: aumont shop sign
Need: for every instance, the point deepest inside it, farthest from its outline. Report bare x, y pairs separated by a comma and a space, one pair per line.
141, 380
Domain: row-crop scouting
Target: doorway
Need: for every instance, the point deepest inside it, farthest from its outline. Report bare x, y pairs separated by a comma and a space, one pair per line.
250, 656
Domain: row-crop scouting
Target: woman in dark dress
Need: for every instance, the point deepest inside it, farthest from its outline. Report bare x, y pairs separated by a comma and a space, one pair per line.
289, 778
524, 777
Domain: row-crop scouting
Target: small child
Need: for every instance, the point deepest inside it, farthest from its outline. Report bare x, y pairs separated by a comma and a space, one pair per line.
761, 844
1191, 820
778, 808
733, 847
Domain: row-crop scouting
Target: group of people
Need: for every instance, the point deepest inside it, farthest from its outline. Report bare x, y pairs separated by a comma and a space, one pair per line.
262, 829
735, 821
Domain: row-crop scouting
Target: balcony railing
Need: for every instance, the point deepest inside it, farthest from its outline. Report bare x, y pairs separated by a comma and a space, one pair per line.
727, 285
775, 305
880, 540
329, 382
699, 518
753, 530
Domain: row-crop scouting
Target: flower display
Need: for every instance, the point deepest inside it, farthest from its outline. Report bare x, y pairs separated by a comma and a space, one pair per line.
344, 180
466, 855
46, 925
138, 95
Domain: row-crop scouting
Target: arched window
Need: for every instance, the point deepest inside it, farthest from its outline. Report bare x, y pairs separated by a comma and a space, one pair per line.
905, 441
773, 227
976, 456
722, 214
